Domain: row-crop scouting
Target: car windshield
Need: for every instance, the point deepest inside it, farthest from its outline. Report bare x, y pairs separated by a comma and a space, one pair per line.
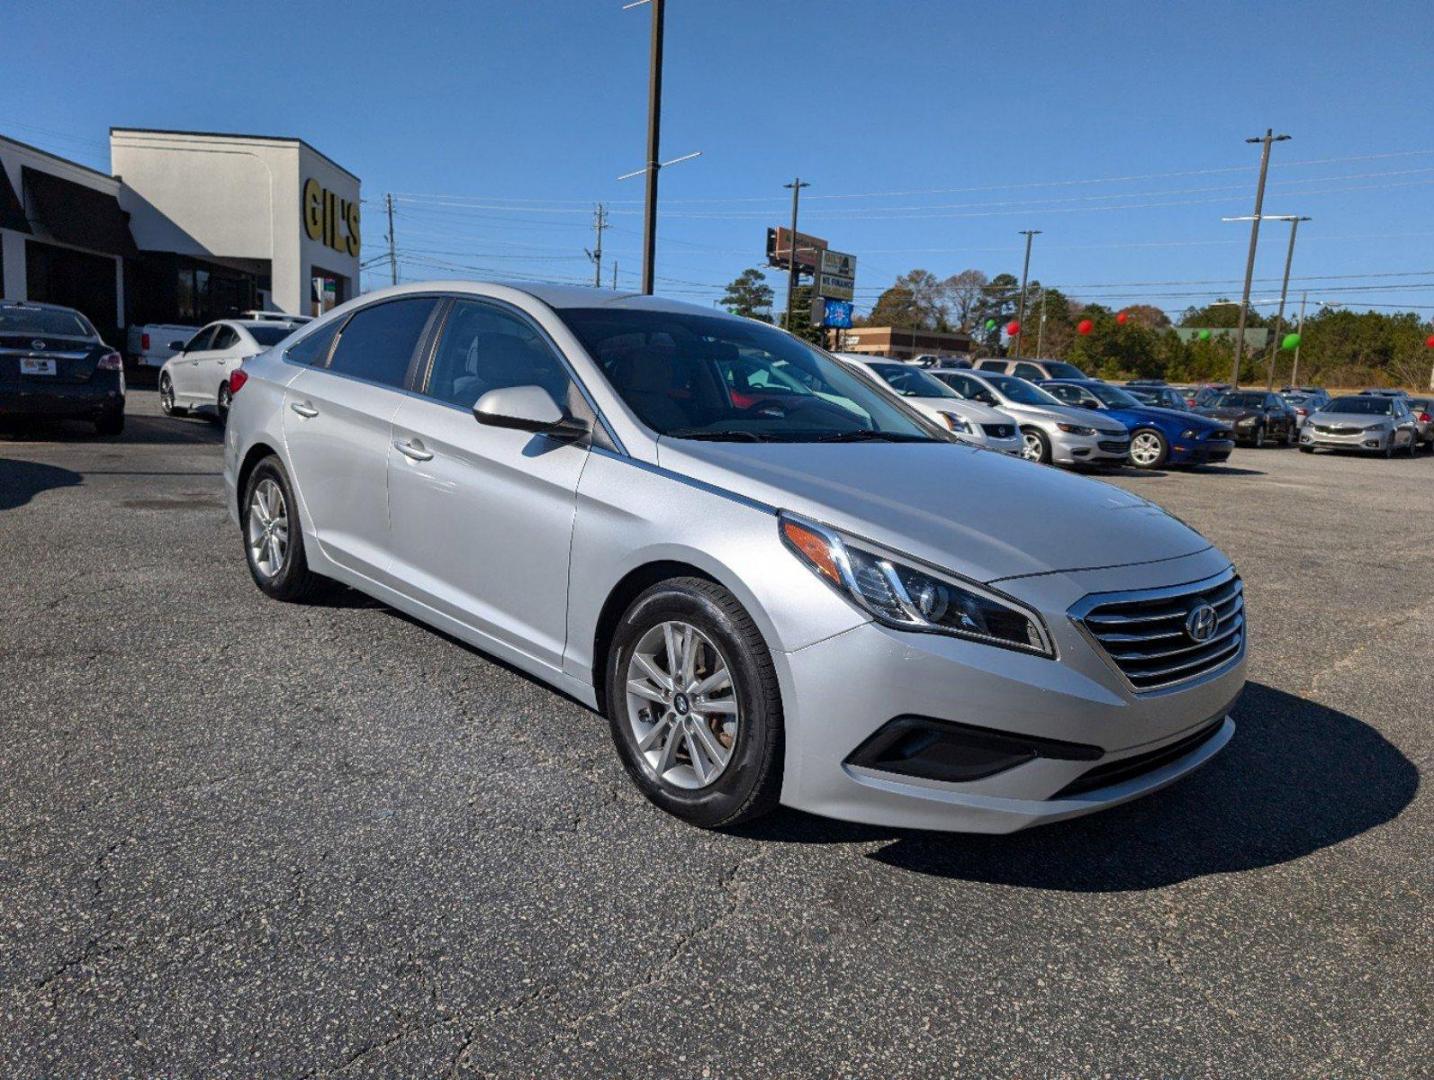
1020, 391
269, 334
1058, 369
1240, 401
1296, 399
1366, 404
46, 321
693, 376
1418, 404
912, 381
1114, 397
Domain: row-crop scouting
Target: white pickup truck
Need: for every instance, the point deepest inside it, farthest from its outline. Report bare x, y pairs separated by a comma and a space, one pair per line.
151, 345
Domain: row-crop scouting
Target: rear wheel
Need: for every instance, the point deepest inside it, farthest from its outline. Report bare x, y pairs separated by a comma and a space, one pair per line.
693, 704
1413, 446
273, 540
1148, 449
1306, 449
221, 404
166, 397
1035, 446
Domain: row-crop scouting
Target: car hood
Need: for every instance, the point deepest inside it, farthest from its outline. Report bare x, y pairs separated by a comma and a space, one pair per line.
1151, 414
1351, 419
986, 516
1065, 414
1230, 412
964, 408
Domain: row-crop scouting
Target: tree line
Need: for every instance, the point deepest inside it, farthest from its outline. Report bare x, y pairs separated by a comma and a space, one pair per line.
1338, 346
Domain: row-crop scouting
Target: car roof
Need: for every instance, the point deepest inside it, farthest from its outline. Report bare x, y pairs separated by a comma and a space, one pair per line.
39, 304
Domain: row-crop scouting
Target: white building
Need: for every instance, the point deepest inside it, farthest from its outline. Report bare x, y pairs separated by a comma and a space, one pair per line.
192, 226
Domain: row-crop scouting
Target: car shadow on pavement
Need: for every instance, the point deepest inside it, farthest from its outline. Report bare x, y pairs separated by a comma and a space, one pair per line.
148, 430
1297, 777
21, 481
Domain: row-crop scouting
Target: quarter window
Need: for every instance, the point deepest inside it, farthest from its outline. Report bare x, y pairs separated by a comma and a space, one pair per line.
485, 348
200, 341
377, 342
314, 348
225, 337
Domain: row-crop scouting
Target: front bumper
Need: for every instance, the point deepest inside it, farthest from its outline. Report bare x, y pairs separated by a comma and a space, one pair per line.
1068, 449
1373, 441
843, 691
1201, 452
63, 401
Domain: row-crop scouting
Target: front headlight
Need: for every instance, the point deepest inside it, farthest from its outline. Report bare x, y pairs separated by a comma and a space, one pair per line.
1245, 421
1190, 433
899, 594
1076, 429
956, 423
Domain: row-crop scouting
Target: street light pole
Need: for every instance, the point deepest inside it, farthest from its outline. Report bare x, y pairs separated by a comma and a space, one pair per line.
1029, 234
796, 189
654, 121
1266, 139
1294, 221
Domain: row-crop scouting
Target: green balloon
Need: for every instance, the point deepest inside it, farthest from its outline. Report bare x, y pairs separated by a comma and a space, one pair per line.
1204, 335
990, 324
1292, 341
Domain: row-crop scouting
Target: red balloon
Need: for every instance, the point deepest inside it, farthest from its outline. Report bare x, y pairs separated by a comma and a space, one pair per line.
1013, 328
1085, 326
1429, 341
1122, 318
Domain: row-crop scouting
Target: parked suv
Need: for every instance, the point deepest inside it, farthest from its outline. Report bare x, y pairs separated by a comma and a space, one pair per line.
825, 601
1035, 370
53, 365
1051, 432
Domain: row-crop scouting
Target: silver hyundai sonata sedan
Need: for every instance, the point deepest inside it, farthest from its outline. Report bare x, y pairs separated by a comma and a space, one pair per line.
803, 592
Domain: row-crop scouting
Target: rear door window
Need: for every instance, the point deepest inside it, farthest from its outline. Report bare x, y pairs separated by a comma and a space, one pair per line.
377, 342
200, 341
1029, 371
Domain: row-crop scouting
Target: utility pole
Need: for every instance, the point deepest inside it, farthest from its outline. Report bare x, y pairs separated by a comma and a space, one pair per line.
614, 273
1300, 333
599, 224
1266, 139
654, 120
796, 189
1029, 234
1041, 327
392, 258
1294, 221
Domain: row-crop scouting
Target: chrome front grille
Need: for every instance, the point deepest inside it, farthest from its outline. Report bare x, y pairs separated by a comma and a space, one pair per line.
1147, 635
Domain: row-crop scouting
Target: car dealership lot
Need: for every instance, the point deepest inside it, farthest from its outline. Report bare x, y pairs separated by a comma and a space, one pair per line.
256, 838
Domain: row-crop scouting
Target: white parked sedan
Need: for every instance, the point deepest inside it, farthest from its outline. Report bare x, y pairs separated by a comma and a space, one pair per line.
970, 421
197, 376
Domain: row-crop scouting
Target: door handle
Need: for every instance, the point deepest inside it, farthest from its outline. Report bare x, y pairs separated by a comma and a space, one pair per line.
413, 450
304, 409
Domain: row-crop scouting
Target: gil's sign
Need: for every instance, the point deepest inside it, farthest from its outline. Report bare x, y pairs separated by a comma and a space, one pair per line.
330, 220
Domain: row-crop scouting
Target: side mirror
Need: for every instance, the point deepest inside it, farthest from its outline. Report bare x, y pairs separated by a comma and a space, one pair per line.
177, 346
527, 408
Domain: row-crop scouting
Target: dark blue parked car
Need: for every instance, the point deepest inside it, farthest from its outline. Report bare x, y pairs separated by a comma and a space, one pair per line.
1157, 436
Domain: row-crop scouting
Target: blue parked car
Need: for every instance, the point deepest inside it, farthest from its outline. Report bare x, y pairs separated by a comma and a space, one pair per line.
1157, 436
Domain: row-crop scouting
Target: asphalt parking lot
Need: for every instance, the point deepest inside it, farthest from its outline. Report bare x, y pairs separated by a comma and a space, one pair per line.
245, 838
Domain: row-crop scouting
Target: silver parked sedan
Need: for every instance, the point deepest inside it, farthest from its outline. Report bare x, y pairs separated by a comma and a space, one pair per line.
1051, 430
1369, 422
814, 597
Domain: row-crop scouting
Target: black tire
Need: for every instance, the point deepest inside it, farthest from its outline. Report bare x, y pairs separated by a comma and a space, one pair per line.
166, 397
1259, 436
1306, 449
751, 782
1041, 447
294, 581
110, 424
1292, 437
1413, 445
1161, 457
1389, 448
221, 404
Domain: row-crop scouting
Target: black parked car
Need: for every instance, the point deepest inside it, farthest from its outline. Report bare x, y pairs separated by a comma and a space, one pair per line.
1259, 417
54, 365
1151, 392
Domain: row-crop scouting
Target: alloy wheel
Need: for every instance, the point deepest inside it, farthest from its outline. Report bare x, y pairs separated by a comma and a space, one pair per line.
268, 528
1145, 449
222, 403
682, 706
1030, 446
166, 396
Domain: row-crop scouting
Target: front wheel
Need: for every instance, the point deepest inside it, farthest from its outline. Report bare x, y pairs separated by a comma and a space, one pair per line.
221, 404
1260, 437
273, 540
1413, 444
1148, 449
693, 704
166, 397
1035, 446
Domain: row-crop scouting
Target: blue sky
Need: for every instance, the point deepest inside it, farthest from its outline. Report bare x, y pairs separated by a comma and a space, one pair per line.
931, 132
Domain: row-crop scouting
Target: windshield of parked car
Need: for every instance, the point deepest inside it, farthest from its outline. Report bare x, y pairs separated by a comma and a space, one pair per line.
713, 377
1059, 369
1114, 397
1240, 401
44, 321
1418, 404
270, 335
1020, 391
1368, 405
912, 381
1296, 399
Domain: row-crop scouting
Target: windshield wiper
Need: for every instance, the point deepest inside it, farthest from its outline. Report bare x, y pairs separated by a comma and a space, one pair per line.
720, 435
863, 435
